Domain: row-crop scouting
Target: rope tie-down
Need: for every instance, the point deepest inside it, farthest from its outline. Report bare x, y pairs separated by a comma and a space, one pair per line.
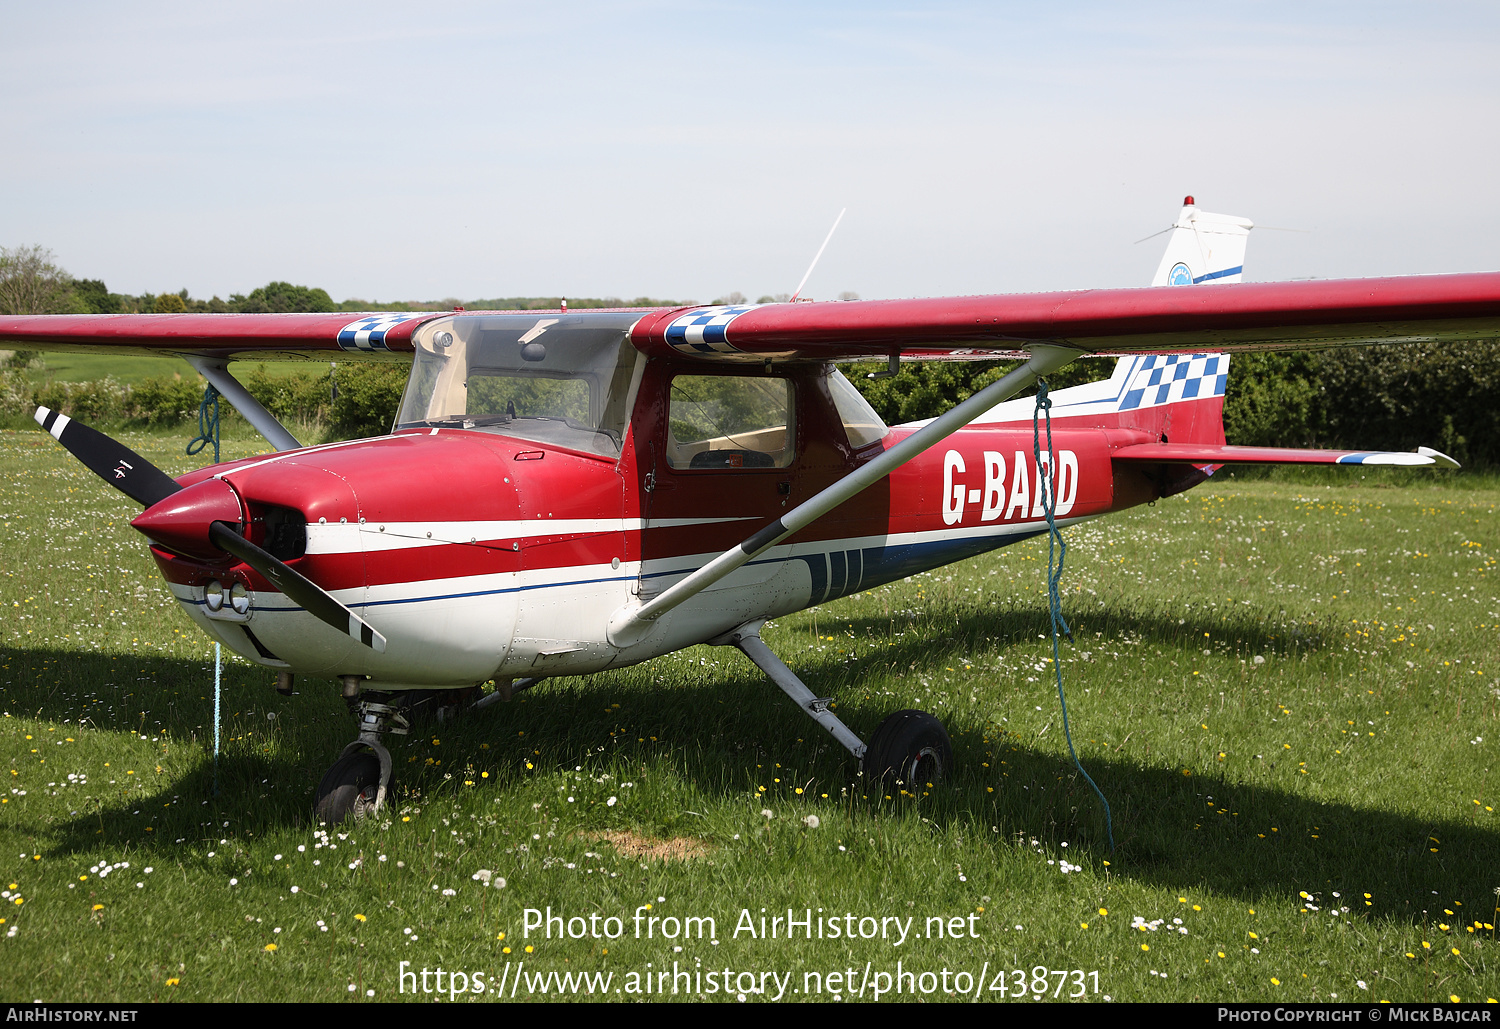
1057, 551
208, 432
208, 423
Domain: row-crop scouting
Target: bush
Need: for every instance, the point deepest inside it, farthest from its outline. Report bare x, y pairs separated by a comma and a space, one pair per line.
165, 401
16, 394
1275, 400
368, 397
92, 401
303, 397
1443, 395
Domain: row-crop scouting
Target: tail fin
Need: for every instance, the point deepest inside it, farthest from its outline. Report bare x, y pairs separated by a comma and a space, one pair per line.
1179, 397
1203, 247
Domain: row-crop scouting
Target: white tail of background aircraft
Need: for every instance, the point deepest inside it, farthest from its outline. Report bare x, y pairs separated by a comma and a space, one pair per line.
1203, 247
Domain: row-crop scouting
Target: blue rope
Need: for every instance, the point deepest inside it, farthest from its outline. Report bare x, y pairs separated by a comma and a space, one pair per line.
1057, 550
218, 678
208, 423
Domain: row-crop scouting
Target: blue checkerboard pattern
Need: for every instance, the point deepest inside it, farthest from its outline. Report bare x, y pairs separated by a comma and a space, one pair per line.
369, 333
1168, 378
703, 331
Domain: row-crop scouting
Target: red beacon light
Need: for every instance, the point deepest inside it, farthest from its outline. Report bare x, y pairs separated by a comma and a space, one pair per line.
1188, 201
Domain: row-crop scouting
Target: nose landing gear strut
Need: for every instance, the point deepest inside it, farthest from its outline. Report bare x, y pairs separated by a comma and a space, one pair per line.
356, 784
359, 780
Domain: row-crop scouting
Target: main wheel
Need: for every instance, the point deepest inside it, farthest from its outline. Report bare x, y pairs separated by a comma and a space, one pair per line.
349, 789
909, 750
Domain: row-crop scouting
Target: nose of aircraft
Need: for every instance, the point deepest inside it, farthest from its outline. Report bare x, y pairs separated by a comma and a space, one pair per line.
181, 522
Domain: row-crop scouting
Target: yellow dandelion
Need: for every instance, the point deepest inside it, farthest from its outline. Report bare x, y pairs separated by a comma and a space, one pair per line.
269, 948
1275, 981
1103, 911
1145, 946
98, 907
360, 918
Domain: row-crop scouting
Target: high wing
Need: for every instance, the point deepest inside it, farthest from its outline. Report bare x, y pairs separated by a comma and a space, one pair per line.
1165, 319
1239, 316
220, 336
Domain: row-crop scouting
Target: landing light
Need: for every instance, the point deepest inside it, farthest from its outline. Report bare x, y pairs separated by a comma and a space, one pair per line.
213, 595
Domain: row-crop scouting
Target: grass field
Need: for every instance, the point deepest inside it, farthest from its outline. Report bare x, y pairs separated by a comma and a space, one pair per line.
1286, 690
65, 366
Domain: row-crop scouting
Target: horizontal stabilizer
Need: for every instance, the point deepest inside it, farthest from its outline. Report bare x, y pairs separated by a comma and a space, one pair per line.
1202, 453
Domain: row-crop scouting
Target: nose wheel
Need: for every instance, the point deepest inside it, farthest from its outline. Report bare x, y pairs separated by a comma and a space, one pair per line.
357, 783
351, 789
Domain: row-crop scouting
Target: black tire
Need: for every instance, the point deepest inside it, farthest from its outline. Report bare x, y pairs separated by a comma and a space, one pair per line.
910, 750
349, 789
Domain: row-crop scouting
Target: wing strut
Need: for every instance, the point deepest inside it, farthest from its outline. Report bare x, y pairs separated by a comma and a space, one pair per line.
631, 623
747, 639
217, 373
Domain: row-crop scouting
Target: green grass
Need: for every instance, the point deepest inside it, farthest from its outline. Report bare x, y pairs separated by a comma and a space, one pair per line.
69, 366
1282, 689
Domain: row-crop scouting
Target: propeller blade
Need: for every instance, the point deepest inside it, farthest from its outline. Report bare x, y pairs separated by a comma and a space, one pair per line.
115, 463
298, 588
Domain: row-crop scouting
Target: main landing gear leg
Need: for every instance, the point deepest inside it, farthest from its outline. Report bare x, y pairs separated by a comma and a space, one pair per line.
910, 749
356, 784
747, 639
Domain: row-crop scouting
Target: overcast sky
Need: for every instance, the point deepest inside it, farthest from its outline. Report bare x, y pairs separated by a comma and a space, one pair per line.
684, 150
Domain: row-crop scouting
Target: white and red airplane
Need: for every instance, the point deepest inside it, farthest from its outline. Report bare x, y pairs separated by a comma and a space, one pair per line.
565, 492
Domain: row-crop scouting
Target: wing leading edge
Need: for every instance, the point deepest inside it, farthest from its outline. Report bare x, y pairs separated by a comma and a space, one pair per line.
223, 336
1240, 316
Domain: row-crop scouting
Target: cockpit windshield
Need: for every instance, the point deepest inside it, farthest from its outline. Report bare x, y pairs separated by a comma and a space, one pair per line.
552, 378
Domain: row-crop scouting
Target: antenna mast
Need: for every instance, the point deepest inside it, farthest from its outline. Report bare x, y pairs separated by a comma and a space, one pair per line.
819, 254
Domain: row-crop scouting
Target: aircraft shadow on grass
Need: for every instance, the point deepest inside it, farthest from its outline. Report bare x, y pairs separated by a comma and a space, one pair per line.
1233, 837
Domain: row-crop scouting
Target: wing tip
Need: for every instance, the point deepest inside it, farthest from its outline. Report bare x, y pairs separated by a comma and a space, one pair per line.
1438, 458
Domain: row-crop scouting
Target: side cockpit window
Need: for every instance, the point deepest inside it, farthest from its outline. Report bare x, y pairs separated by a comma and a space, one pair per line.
730, 421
